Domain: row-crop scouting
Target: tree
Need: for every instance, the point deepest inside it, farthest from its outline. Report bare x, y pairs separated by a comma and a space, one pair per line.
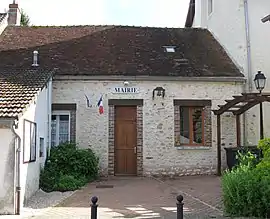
25, 19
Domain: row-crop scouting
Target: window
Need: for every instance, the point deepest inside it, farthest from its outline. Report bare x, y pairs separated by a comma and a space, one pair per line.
41, 147
60, 132
210, 7
169, 48
29, 146
191, 125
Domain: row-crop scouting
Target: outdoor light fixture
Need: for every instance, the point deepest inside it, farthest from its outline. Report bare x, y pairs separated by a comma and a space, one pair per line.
160, 91
260, 81
126, 83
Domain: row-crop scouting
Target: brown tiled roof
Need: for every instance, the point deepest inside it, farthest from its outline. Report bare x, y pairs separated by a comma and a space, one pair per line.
19, 88
117, 50
2, 16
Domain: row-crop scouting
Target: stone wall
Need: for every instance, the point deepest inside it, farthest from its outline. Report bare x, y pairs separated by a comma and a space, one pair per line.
159, 154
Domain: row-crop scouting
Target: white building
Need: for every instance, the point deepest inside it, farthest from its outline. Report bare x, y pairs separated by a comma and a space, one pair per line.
238, 27
25, 106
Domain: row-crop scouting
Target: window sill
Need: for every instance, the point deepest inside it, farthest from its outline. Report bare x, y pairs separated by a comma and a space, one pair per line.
183, 147
28, 162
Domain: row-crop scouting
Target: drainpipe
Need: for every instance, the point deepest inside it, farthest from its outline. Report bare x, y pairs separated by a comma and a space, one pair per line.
49, 113
14, 125
249, 69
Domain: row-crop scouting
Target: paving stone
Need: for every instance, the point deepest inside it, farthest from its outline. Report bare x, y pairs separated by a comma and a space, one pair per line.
138, 197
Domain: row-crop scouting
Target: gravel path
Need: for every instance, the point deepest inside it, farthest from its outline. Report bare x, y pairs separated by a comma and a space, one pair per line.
42, 201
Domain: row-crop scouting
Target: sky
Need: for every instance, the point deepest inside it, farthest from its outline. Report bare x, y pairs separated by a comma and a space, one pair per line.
153, 13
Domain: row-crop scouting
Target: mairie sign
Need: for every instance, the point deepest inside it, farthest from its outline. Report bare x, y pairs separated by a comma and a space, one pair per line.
125, 90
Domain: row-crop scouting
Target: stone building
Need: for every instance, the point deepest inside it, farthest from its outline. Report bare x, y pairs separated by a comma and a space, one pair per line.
158, 87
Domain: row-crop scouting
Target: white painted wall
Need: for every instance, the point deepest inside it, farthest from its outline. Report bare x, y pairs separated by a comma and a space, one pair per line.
39, 112
227, 24
7, 159
92, 128
200, 15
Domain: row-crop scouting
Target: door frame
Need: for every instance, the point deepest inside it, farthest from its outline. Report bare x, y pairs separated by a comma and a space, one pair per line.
111, 155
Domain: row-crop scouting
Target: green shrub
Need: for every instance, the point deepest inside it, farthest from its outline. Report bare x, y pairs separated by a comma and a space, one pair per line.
264, 145
68, 168
69, 183
246, 189
246, 159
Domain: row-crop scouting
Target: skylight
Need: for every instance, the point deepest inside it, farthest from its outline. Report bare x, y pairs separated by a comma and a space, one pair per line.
169, 48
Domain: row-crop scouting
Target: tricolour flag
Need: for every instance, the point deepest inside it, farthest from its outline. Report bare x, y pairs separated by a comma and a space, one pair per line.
100, 106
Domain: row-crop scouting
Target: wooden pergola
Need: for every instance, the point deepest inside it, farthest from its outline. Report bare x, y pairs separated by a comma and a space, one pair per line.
238, 105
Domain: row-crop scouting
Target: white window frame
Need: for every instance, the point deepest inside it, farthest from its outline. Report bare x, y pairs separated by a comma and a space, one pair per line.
58, 113
41, 147
28, 145
210, 7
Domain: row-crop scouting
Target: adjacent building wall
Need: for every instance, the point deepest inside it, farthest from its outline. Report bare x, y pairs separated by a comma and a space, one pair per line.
38, 112
158, 121
260, 47
7, 171
227, 24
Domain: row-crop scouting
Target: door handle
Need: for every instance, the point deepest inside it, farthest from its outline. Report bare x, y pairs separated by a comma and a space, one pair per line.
135, 150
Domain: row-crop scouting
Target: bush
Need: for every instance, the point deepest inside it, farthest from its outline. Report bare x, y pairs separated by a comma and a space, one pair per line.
246, 189
264, 145
69, 183
68, 168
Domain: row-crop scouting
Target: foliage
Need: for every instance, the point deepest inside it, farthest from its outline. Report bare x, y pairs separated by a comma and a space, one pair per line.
69, 183
246, 189
264, 145
68, 168
246, 159
25, 19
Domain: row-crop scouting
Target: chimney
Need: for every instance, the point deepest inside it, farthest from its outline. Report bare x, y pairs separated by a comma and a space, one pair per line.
14, 14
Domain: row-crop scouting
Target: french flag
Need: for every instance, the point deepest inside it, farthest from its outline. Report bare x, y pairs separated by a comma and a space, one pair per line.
100, 106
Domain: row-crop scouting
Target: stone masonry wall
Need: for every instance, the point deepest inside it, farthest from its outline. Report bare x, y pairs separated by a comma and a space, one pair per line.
158, 155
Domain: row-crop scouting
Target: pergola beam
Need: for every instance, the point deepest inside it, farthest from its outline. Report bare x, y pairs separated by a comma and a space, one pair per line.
247, 98
247, 101
236, 106
255, 94
252, 104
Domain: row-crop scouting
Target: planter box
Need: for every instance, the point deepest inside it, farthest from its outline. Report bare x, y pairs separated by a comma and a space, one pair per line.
231, 154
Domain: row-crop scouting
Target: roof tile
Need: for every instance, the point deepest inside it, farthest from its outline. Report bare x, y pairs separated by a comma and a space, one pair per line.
18, 88
117, 50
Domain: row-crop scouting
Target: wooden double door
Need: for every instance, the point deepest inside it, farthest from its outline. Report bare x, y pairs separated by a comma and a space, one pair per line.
125, 137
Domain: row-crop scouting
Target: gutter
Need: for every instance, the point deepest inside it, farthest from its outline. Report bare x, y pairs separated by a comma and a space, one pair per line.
248, 46
146, 78
14, 125
249, 69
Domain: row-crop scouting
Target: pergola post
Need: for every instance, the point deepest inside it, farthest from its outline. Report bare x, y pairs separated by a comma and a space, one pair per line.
218, 145
238, 131
238, 105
